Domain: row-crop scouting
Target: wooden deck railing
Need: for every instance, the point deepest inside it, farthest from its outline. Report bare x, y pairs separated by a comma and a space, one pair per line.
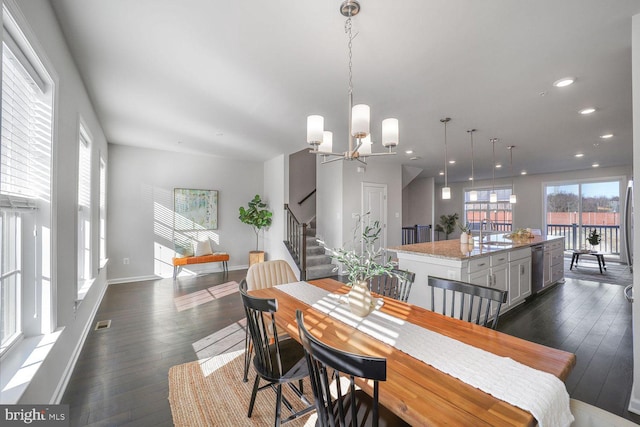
609, 234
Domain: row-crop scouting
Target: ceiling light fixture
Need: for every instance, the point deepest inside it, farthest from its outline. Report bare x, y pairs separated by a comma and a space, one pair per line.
512, 198
606, 136
446, 190
564, 82
359, 116
579, 155
523, 172
493, 196
589, 110
595, 165
473, 194
408, 152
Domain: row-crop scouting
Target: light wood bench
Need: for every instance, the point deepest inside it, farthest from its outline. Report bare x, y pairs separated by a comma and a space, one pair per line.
178, 263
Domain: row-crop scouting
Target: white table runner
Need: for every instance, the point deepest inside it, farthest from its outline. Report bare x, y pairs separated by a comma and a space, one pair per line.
540, 393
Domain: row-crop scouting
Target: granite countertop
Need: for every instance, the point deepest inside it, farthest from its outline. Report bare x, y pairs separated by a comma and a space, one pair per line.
452, 249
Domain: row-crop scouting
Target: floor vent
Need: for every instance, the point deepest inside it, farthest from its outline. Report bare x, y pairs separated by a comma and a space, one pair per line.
103, 324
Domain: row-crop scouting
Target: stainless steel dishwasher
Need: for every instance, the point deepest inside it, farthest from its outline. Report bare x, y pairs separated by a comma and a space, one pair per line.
537, 268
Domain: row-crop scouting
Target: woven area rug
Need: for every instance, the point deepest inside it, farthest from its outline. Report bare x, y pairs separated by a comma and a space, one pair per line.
616, 273
210, 392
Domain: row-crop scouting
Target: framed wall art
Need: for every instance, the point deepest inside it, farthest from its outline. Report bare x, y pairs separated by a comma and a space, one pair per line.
195, 209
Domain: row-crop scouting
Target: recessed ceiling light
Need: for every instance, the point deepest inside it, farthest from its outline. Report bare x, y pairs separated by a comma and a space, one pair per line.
595, 165
523, 173
566, 81
498, 165
579, 155
587, 110
441, 173
414, 158
470, 178
409, 152
606, 136
452, 162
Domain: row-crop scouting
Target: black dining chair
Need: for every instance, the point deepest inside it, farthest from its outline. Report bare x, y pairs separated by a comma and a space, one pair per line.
397, 285
276, 362
475, 302
349, 406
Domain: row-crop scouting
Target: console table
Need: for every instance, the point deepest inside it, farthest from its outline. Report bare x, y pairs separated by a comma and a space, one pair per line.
599, 256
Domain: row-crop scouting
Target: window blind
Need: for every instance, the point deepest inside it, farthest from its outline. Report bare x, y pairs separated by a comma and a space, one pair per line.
25, 147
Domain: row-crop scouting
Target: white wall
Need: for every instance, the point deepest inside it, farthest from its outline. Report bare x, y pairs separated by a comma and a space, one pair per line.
329, 203
417, 202
140, 203
302, 181
634, 403
71, 101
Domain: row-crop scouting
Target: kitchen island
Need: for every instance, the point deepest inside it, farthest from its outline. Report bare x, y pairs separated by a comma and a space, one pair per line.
497, 262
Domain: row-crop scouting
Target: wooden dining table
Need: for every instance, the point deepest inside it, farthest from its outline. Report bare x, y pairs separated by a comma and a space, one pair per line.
414, 390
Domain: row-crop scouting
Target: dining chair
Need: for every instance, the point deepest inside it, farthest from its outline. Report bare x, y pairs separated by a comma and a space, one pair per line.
265, 275
335, 400
476, 308
396, 286
279, 362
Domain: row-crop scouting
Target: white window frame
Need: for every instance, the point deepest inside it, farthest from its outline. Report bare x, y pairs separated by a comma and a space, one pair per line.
103, 213
84, 219
26, 196
485, 220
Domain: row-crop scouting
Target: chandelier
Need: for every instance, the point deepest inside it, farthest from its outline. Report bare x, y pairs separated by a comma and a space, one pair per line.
359, 117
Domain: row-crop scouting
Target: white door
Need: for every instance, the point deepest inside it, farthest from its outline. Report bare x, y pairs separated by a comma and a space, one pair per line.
374, 202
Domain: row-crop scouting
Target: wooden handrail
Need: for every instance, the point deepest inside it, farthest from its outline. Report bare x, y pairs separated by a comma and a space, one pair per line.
304, 199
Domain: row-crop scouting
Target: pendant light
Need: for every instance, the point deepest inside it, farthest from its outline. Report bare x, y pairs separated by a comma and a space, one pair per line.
446, 190
512, 198
493, 196
473, 194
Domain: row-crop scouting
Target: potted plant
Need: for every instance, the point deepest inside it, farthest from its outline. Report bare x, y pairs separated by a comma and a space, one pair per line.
258, 218
593, 238
465, 233
362, 265
447, 224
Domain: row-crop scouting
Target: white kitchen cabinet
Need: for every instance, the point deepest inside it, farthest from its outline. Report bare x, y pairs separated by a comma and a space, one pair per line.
553, 261
491, 271
519, 276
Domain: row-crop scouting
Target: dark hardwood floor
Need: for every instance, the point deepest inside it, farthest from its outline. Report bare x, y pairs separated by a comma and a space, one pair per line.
121, 375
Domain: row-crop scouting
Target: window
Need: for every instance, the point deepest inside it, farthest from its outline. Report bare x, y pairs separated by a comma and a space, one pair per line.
575, 209
488, 216
84, 211
103, 212
25, 185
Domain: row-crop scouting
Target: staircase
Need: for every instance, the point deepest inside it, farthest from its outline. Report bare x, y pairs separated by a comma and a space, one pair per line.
318, 263
309, 256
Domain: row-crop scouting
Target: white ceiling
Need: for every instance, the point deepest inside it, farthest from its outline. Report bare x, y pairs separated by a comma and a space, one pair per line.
238, 78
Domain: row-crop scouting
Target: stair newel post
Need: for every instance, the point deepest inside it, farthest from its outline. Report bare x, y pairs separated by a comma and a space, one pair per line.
303, 267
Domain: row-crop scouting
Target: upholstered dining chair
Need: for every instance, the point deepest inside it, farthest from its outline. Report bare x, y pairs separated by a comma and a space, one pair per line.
278, 362
476, 308
348, 405
265, 275
396, 286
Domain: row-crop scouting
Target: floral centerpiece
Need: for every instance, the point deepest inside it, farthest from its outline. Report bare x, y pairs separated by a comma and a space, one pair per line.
362, 265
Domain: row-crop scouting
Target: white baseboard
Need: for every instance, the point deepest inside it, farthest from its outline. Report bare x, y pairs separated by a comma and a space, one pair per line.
132, 279
634, 401
66, 375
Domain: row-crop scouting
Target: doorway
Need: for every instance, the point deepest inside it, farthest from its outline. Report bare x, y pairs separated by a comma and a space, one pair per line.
577, 209
374, 202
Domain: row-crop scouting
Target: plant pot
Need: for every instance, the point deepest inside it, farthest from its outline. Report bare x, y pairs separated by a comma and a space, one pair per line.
255, 257
361, 302
464, 239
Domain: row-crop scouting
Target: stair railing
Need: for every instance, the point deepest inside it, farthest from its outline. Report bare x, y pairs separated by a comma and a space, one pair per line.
296, 241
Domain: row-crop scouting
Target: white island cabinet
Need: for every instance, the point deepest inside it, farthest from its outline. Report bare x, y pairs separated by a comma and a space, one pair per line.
500, 263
